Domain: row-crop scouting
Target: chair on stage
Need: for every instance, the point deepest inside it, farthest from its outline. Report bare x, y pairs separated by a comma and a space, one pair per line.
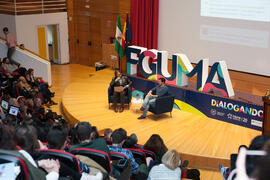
163, 104
128, 96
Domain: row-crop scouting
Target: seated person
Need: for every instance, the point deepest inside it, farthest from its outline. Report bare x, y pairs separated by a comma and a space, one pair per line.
57, 140
107, 134
118, 138
83, 133
169, 169
131, 141
117, 81
150, 98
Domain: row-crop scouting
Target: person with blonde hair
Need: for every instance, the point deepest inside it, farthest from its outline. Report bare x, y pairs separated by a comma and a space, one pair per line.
169, 169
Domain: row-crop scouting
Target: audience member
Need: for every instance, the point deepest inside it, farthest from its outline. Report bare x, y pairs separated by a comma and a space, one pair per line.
156, 145
169, 169
107, 134
26, 138
118, 138
83, 133
131, 141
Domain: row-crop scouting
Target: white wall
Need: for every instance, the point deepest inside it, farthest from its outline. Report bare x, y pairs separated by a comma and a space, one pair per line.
42, 67
27, 31
9, 22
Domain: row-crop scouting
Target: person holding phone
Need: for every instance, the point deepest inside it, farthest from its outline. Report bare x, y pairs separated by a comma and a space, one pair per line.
122, 83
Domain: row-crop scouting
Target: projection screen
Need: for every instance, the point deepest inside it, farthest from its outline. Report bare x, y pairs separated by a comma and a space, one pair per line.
236, 31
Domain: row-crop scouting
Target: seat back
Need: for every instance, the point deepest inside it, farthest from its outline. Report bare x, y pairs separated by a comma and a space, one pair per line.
67, 158
138, 154
117, 156
163, 104
149, 154
100, 157
4, 158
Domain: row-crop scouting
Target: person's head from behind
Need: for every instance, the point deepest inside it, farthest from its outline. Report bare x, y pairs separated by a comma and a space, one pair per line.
6, 134
83, 131
155, 144
258, 142
26, 137
5, 60
107, 133
57, 137
5, 30
119, 136
30, 71
171, 159
131, 141
37, 102
161, 81
94, 133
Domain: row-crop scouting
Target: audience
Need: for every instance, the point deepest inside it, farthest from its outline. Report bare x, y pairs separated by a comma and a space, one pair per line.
25, 131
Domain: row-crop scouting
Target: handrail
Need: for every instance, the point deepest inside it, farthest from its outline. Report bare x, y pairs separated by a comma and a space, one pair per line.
23, 48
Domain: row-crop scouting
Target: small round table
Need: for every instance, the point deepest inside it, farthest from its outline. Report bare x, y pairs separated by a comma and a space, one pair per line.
136, 102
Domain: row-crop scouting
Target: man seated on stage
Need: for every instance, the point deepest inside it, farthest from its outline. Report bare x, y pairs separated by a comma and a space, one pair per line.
150, 98
120, 84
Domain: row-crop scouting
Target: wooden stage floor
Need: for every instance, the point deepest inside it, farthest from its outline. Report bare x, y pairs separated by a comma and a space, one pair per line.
203, 141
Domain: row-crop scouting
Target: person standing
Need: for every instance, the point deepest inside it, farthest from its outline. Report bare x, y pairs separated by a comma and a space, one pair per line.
11, 44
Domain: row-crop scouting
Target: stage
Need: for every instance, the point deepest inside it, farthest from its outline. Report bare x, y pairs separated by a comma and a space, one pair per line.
205, 142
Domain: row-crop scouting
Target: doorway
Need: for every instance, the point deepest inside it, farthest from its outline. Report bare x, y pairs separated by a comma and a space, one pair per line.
48, 42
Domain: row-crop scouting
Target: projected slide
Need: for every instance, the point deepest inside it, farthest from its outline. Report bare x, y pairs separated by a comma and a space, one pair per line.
235, 31
253, 10
229, 35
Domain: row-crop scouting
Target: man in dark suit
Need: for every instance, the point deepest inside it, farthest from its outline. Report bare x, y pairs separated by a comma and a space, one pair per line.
120, 84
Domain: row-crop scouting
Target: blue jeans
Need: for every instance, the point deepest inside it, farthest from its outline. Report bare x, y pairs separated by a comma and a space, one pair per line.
147, 102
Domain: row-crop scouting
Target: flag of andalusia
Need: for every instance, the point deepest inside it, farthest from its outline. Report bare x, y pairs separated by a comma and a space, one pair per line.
119, 44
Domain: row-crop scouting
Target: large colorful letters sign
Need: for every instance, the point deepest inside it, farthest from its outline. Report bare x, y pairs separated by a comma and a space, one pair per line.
218, 78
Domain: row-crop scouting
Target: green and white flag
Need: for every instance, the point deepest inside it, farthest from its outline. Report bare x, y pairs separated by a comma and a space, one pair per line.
118, 43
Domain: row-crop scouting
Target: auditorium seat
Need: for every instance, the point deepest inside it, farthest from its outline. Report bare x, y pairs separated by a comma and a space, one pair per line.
149, 154
138, 154
99, 157
67, 158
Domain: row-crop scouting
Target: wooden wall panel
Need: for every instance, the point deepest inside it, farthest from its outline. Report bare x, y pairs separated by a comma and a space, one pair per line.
98, 17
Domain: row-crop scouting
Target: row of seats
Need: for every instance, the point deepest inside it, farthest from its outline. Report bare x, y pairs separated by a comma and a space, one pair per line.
70, 159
